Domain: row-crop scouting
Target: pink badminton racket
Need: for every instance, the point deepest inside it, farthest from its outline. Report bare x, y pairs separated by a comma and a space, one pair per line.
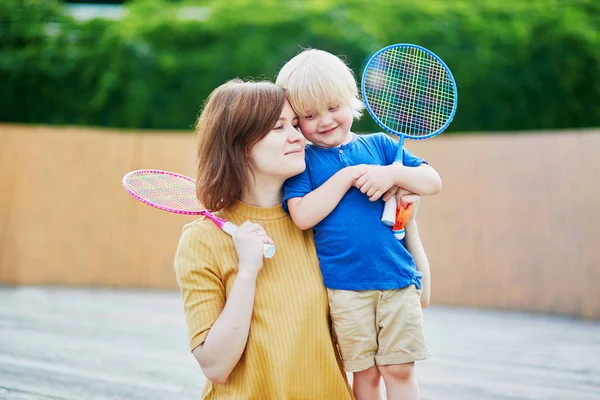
174, 193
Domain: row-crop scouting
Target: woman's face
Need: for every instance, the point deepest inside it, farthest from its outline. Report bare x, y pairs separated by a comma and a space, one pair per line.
281, 153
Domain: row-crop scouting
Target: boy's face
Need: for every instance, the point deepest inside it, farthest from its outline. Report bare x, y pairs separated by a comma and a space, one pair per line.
328, 128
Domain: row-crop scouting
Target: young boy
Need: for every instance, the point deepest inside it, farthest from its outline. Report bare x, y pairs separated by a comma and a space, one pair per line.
373, 284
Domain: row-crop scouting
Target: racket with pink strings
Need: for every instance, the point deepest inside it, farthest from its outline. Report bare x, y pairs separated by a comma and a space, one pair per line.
176, 193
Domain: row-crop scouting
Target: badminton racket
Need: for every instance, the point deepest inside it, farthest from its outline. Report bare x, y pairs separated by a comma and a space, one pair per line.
410, 92
172, 192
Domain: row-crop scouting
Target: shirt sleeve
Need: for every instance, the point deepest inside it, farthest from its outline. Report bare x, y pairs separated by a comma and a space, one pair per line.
410, 160
200, 283
296, 186
390, 148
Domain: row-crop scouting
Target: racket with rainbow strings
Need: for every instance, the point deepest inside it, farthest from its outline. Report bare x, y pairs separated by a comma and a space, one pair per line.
410, 92
176, 193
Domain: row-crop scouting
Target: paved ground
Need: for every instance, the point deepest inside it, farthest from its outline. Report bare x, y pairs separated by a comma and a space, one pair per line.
90, 344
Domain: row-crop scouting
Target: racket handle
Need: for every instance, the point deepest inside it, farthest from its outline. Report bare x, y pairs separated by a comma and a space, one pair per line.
389, 212
230, 228
389, 209
269, 250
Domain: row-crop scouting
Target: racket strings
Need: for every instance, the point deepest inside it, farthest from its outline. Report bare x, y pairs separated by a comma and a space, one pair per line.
165, 190
409, 91
399, 89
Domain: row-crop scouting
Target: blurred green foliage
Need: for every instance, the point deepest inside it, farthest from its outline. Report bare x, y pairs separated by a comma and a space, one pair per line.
518, 64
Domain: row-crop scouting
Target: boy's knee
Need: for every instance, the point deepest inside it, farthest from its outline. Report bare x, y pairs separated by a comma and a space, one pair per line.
370, 376
398, 372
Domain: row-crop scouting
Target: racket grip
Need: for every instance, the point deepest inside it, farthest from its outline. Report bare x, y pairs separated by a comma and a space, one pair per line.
389, 212
269, 250
230, 228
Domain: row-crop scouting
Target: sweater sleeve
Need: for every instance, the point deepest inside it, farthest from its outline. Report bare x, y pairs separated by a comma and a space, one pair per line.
200, 282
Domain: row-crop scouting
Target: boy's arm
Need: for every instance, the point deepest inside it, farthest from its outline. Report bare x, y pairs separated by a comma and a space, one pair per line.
422, 180
413, 244
309, 210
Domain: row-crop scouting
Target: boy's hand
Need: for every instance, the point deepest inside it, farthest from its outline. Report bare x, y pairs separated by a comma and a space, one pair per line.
359, 170
399, 193
375, 182
405, 197
410, 199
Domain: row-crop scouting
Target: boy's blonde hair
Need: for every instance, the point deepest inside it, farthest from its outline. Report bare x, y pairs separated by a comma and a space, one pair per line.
317, 80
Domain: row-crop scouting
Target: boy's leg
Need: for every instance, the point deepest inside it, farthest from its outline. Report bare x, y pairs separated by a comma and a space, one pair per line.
354, 326
366, 384
400, 381
401, 341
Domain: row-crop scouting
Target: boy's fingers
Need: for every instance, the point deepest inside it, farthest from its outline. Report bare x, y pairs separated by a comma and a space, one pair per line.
375, 196
365, 188
360, 182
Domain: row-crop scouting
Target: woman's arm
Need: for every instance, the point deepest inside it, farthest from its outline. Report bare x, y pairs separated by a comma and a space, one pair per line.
226, 339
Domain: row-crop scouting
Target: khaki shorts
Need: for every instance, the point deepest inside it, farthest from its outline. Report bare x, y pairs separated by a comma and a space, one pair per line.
378, 327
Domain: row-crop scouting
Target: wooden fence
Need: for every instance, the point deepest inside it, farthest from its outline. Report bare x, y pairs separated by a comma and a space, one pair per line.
516, 226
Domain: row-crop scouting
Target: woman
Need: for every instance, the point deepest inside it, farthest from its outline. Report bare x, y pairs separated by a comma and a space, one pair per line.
259, 328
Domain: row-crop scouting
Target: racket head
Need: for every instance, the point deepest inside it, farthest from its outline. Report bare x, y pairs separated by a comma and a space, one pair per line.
409, 91
167, 191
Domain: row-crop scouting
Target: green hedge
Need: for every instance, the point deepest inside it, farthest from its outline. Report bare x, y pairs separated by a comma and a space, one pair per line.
518, 64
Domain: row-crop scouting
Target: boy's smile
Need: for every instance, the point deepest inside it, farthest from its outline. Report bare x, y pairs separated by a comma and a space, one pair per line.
328, 131
328, 128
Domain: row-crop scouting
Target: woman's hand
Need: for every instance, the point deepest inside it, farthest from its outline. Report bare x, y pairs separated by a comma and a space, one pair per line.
249, 240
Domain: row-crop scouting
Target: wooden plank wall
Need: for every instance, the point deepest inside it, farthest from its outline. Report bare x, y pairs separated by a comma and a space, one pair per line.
516, 226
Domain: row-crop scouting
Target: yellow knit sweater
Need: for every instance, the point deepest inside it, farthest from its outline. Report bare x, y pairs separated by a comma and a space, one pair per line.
290, 353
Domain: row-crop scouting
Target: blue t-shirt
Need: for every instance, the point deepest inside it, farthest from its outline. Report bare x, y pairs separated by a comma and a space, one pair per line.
356, 250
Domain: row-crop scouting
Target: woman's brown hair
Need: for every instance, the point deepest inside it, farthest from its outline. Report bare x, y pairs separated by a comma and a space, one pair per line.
235, 117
